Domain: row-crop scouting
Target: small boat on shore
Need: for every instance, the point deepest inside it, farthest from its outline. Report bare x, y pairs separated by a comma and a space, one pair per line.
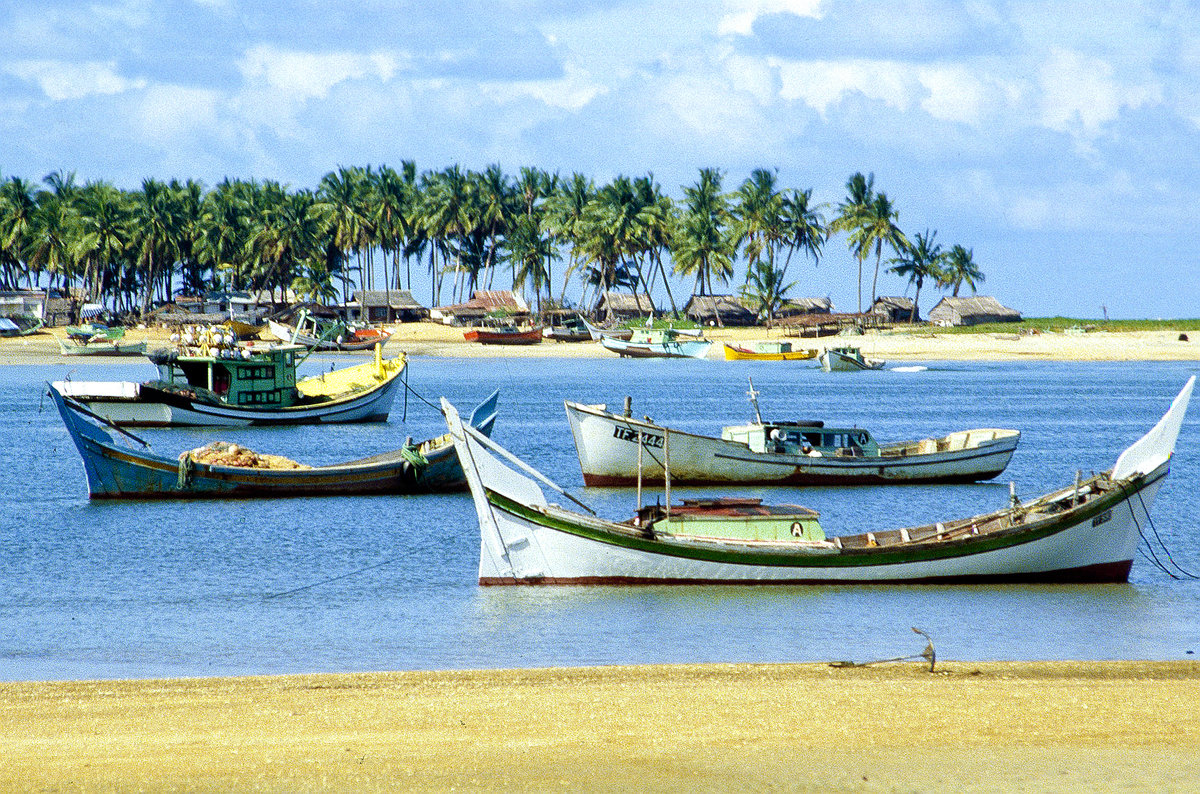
504, 334
1088, 532
847, 359
597, 333
116, 468
659, 343
613, 449
20, 325
767, 351
316, 333
101, 347
572, 330
211, 379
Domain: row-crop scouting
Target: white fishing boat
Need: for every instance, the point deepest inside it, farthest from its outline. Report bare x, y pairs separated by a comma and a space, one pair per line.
614, 448
1086, 532
846, 359
212, 379
659, 343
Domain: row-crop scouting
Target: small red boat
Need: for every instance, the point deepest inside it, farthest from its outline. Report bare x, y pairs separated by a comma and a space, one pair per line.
505, 335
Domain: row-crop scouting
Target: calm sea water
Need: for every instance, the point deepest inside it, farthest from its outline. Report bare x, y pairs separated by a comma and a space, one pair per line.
146, 589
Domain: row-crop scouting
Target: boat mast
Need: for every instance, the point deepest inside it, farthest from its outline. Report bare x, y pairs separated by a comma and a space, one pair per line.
754, 401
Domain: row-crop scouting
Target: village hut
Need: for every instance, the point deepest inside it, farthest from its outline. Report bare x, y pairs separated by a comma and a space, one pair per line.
794, 307
718, 310
972, 311
481, 304
895, 309
616, 307
388, 306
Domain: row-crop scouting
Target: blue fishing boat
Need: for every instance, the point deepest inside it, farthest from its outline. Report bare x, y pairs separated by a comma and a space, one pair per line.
119, 465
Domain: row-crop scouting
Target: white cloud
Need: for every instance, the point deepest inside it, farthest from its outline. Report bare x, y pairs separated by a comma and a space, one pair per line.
303, 75
573, 91
1080, 94
821, 84
740, 15
60, 80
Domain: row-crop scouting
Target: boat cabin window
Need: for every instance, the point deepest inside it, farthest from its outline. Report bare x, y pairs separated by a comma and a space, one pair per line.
259, 372
259, 398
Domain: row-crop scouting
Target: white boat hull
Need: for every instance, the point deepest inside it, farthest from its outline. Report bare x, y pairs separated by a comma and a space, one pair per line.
833, 361
523, 552
125, 403
607, 446
689, 348
1086, 533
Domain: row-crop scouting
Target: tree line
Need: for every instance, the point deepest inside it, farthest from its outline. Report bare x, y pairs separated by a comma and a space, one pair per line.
130, 249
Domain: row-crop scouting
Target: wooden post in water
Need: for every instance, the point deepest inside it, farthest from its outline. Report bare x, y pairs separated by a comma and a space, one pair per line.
667, 468
639, 487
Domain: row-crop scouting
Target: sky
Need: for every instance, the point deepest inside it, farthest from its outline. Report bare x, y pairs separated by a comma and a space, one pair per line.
1059, 141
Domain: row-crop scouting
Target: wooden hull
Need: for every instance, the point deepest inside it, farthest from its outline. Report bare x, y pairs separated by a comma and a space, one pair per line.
486, 336
144, 405
738, 353
688, 348
1087, 533
121, 471
597, 333
833, 361
607, 447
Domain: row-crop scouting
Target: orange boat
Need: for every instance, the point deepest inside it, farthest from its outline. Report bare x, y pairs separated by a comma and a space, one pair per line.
504, 335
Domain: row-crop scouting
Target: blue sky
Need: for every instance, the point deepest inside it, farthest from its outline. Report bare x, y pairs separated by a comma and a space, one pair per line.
1058, 140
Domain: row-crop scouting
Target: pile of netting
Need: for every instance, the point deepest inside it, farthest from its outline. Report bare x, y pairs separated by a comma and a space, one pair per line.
222, 453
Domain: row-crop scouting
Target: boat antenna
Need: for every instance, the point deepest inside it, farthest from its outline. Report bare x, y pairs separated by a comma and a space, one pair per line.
754, 401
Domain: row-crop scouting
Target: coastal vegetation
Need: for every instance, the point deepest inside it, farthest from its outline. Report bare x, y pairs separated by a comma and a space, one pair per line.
561, 240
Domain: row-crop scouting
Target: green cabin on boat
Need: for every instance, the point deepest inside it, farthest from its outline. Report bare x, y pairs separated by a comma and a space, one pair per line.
804, 438
242, 377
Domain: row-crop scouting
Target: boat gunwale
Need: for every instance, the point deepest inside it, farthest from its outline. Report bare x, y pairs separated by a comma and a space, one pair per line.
921, 550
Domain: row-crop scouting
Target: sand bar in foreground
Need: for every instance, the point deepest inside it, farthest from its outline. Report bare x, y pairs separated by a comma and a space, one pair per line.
968, 726
897, 345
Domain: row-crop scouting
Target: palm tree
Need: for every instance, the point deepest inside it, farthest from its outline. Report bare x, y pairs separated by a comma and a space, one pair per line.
156, 228
529, 251
657, 220
48, 246
704, 244
919, 261
804, 227
765, 290
961, 269
852, 212
17, 217
878, 227
564, 218
759, 214
104, 238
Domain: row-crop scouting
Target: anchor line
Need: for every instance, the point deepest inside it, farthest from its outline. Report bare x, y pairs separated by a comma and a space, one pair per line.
302, 588
1161, 544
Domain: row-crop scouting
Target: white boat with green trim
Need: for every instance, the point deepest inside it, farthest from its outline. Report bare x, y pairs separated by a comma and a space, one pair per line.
847, 359
1086, 532
216, 380
615, 449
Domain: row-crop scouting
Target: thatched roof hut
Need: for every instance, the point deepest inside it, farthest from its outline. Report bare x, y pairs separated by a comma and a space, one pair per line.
718, 310
618, 306
895, 309
972, 311
389, 306
799, 306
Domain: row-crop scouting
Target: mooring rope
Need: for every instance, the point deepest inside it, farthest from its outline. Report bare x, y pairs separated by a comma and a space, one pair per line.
1161, 544
302, 588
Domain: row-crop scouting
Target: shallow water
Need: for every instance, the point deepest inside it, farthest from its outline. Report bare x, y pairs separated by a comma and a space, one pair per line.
141, 589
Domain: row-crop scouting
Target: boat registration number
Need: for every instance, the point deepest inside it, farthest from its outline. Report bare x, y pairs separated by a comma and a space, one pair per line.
631, 434
1103, 518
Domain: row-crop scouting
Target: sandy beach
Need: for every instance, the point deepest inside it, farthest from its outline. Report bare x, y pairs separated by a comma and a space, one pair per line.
1095, 726
900, 345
